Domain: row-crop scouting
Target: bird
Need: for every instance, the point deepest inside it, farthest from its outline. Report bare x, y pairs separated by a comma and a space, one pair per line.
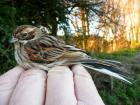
35, 48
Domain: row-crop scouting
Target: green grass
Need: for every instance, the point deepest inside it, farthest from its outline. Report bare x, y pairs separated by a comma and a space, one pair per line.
119, 55
122, 93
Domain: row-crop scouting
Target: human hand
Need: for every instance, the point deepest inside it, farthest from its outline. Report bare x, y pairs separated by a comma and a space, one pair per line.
60, 86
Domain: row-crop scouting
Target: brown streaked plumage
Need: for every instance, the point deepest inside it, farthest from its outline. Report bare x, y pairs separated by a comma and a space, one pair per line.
34, 48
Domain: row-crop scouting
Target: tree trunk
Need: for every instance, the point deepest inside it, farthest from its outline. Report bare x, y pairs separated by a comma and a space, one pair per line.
84, 28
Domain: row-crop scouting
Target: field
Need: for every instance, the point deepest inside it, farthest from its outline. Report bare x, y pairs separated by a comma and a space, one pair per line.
116, 92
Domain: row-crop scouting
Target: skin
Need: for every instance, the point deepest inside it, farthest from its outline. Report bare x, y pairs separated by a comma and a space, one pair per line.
60, 86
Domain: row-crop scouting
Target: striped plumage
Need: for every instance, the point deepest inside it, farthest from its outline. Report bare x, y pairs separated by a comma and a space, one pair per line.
34, 48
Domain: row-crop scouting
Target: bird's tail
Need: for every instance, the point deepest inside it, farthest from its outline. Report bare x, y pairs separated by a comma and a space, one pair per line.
108, 67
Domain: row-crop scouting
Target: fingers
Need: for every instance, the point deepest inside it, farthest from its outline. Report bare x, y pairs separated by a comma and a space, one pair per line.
30, 89
85, 89
7, 84
60, 87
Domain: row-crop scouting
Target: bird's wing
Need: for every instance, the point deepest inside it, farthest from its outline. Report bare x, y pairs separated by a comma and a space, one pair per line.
45, 49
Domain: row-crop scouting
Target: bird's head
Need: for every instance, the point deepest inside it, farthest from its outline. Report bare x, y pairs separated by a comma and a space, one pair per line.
25, 33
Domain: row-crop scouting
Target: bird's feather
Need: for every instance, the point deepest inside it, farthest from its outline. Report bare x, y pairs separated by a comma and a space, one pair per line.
43, 50
108, 72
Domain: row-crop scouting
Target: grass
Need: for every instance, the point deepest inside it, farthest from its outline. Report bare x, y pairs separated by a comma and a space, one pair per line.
122, 93
119, 55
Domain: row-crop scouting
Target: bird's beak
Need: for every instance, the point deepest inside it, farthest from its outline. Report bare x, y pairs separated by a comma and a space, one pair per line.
13, 40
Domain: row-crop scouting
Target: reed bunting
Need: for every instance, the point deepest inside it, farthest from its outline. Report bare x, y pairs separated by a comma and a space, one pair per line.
35, 48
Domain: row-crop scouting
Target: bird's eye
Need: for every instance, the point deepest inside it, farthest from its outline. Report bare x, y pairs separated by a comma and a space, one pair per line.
24, 34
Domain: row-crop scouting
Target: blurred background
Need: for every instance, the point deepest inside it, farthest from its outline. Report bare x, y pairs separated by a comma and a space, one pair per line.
106, 29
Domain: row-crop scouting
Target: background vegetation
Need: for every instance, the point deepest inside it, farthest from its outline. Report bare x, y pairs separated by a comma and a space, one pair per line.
107, 29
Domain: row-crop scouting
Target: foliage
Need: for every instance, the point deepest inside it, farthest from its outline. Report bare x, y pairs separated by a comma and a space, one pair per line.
122, 94
6, 53
48, 13
96, 44
6, 26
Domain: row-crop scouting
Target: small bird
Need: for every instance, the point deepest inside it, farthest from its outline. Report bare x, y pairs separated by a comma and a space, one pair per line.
35, 48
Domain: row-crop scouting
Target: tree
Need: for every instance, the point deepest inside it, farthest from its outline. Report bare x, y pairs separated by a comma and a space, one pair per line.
49, 13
